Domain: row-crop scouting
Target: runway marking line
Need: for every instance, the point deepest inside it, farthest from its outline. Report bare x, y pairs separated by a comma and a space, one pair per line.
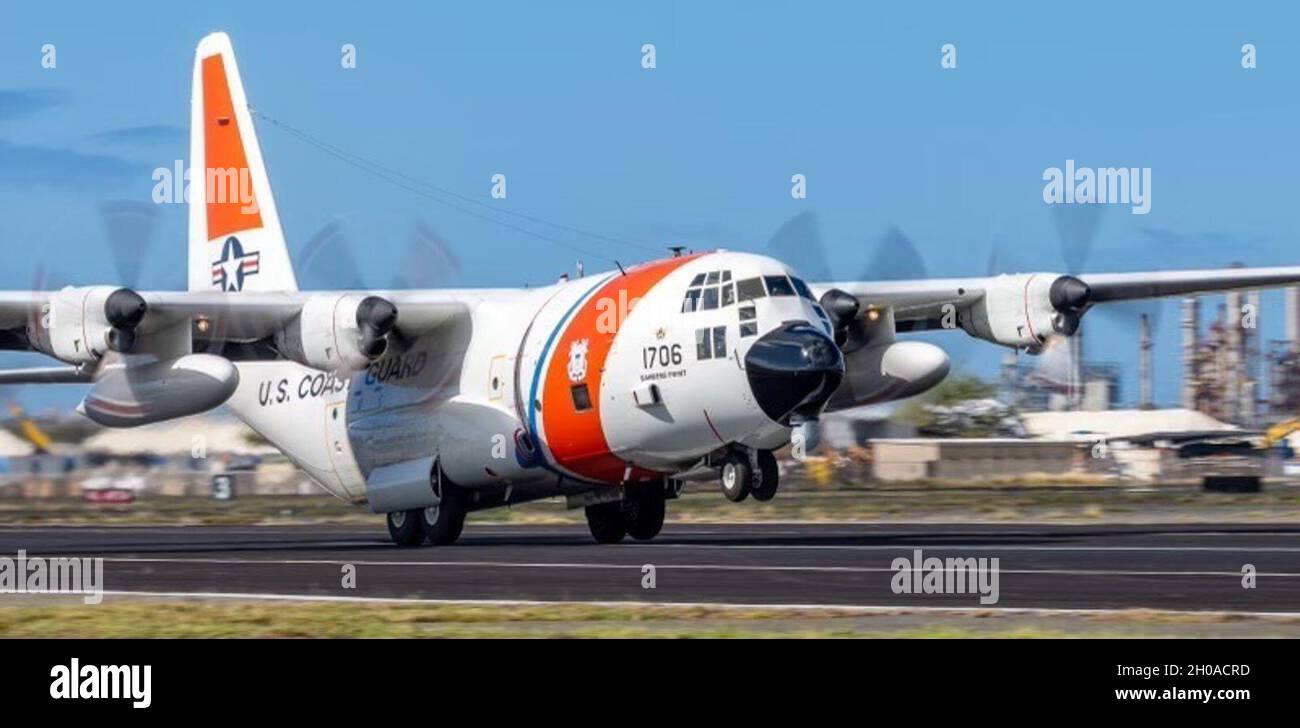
848, 609
638, 567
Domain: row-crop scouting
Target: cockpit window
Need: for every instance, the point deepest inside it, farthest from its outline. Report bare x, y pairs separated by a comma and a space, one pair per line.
691, 301
779, 286
802, 288
713, 297
749, 289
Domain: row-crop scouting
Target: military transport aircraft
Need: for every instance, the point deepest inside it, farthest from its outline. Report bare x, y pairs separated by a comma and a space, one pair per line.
612, 390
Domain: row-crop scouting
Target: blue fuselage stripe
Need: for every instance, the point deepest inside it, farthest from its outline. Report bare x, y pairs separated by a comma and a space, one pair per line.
541, 362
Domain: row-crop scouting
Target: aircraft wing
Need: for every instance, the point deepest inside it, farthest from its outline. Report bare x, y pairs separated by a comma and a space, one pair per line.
243, 317
1127, 286
921, 304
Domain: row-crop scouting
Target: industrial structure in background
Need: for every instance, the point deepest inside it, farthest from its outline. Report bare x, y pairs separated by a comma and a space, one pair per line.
1221, 361
1228, 372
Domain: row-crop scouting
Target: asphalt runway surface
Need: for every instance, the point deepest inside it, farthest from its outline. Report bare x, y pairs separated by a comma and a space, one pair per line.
1180, 567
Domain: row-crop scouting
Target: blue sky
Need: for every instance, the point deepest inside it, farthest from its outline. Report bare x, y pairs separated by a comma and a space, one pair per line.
699, 150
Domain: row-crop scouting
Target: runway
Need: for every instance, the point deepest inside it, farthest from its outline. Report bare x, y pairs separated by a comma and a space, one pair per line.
1181, 567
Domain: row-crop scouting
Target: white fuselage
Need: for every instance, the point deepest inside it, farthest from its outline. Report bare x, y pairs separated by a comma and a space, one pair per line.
496, 399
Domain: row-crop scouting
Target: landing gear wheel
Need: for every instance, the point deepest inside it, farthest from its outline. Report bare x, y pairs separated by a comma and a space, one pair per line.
606, 522
441, 524
768, 477
643, 511
404, 528
736, 476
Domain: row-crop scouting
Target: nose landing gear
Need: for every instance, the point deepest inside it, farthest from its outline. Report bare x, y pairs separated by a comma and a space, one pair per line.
750, 473
737, 477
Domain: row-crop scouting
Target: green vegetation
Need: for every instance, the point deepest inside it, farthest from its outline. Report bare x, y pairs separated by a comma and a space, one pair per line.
123, 617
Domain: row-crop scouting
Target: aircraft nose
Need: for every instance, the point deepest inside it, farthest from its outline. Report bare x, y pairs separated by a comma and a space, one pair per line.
793, 371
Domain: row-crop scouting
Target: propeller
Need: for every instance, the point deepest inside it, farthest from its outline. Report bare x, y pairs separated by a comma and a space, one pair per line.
428, 261
327, 263
799, 242
129, 226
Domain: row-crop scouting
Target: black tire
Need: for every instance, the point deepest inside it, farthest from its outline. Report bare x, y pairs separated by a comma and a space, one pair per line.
768, 478
404, 528
606, 522
643, 512
442, 524
737, 477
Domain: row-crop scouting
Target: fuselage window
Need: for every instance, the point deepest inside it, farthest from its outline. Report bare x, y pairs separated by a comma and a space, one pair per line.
710, 299
749, 289
719, 342
779, 286
713, 278
726, 276
728, 295
802, 288
703, 344
698, 280
581, 397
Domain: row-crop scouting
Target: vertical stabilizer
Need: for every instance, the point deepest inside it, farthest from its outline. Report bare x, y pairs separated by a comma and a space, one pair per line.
235, 240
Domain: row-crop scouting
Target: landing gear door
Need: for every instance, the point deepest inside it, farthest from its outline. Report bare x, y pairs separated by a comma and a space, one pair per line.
340, 449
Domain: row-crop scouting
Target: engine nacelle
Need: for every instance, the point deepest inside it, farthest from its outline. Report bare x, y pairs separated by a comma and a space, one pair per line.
339, 332
1022, 311
80, 324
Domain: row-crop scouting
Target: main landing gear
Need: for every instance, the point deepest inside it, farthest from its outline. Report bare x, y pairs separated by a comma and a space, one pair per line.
750, 473
438, 525
640, 515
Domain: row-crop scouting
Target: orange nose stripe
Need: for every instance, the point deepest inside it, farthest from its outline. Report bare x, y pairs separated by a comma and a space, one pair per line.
576, 437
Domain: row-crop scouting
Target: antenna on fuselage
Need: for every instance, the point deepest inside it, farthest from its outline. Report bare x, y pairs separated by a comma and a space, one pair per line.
676, 250
620, 267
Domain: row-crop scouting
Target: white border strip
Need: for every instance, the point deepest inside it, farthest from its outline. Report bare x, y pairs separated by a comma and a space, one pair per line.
829, 608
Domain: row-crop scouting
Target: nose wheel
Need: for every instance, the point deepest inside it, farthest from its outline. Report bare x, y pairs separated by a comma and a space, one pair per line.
736, 477
767, 478
743, 476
